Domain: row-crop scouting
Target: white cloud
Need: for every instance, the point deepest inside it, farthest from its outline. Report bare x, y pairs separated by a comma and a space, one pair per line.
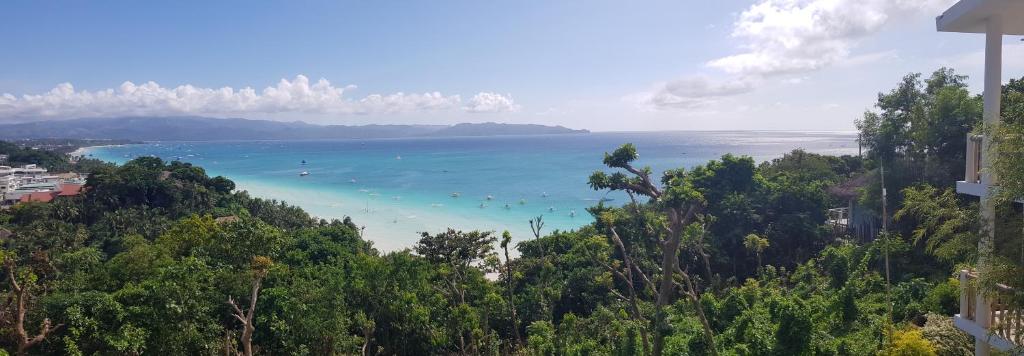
691, 92
298, 95
787, 36
491, 102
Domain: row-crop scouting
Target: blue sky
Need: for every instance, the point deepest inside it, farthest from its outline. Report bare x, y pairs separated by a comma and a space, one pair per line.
602, 65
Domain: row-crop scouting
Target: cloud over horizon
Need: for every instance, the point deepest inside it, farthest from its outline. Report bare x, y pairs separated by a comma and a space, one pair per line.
298, 95
787, 37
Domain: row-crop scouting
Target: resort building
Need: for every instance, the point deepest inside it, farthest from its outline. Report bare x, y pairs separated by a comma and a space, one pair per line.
994, 322
31, 183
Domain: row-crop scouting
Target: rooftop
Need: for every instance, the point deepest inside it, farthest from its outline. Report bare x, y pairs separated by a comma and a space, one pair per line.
971, 16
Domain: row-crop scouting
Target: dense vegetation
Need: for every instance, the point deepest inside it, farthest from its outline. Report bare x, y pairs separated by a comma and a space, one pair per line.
54, 160
730, 257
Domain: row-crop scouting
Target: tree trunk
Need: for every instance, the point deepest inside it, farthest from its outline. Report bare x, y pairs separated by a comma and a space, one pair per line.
511, 301
246, 317
670, 256
21, 295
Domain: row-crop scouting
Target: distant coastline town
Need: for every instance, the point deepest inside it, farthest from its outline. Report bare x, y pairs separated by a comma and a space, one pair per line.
41, 170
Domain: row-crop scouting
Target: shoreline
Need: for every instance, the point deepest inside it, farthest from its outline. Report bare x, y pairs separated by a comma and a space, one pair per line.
390, 226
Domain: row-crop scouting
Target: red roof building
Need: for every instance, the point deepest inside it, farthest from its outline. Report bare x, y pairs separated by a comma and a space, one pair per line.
39, 197
67, 190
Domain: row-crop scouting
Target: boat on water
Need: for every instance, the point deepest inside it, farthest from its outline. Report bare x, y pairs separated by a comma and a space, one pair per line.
455, 194
353, 180
304, 173
544, 194
303, 162
490, 197
551, 208
507, 206
572, 213
398, 157
522, 201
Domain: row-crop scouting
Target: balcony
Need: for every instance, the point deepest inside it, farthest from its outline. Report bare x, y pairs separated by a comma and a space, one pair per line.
972, 185
997, 319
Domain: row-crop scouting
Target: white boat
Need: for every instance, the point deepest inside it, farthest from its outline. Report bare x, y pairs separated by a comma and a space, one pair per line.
398, 157
544, 195
490, 197
572, 213
551, 208
303, 174
353, 180
455, 194
522, 201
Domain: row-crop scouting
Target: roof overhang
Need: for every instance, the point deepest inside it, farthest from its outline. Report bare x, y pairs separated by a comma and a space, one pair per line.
971, 16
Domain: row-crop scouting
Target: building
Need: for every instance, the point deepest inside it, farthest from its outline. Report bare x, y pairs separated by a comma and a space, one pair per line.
31, 183
992, 322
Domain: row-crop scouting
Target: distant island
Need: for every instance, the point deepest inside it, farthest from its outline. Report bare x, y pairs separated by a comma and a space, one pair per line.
191, 128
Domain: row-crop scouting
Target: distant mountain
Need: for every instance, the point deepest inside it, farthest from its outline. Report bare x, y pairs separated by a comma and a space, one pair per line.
211, 129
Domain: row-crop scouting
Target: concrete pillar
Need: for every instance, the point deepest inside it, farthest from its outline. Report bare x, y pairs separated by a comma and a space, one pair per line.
992, 97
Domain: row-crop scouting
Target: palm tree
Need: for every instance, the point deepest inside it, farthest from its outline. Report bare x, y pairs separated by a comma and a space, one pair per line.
756, 245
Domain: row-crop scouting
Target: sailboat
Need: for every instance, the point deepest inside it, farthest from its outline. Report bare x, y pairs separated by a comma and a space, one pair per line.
304, 173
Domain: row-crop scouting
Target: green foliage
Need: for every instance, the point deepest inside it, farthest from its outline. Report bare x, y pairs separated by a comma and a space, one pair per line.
946, 338
947, 227
908, 342
145, 260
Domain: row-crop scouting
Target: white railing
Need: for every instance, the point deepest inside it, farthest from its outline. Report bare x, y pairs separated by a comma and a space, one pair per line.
973, 171
1005, 315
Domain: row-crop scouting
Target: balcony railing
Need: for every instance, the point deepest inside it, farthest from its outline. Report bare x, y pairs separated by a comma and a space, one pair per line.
973, 171
1005, 315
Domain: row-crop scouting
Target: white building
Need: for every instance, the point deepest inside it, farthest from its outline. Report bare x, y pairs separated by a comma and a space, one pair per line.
993, 322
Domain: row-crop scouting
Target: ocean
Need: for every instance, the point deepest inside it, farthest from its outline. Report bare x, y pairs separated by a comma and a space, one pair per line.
397, 188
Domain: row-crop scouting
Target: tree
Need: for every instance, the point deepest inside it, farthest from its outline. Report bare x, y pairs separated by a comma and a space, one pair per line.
456, 253
260, 266
756, 245
947, 228
506, 238
21, 293
680, 204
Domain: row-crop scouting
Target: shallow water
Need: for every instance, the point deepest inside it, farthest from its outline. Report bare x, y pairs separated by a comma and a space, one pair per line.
399, 187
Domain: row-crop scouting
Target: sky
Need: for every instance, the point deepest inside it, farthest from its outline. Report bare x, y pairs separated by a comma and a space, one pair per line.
602, 65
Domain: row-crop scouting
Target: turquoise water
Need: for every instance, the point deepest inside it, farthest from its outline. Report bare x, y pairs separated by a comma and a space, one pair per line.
399, 187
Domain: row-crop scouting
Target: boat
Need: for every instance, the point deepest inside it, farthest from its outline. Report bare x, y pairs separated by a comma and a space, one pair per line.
490, 197
572, 213
602, 200
353, 180
482, 205
544, 195
304, 173
455, 194
303, 162
522, 201
507, 206
551, 208
398, 157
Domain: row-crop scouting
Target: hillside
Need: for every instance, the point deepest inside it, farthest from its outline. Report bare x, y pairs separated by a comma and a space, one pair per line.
212, 129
